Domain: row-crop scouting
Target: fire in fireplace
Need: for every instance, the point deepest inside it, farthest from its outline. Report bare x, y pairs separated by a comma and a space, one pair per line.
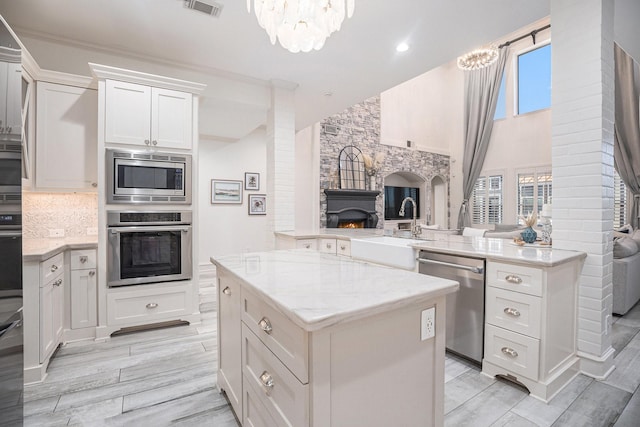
351, 224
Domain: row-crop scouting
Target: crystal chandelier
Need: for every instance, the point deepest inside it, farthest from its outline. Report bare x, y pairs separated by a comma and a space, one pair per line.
479, 58
301, 25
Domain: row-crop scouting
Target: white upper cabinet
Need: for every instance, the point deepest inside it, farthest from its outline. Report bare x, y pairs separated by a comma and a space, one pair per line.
66, 137
10, 99
142, 115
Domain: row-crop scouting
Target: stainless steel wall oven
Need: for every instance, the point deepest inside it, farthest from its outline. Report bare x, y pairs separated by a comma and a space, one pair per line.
148, 247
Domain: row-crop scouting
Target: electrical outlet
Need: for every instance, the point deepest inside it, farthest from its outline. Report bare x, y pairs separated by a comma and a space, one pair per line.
428, 323
56, 232
92, 231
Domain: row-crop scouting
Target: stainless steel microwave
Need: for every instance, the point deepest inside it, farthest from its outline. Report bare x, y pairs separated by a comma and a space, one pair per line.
144, 177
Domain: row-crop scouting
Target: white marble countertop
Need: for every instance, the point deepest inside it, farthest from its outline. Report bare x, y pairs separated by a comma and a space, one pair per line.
316, 290
499, 250
42, 249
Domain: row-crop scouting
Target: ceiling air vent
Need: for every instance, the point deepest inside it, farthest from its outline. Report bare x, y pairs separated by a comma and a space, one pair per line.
209, 7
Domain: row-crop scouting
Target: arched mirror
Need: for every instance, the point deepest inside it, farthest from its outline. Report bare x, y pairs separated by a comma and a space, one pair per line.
351, 168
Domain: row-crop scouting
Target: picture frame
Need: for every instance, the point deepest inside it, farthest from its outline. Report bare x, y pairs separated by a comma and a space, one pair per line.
257, 204
251, 181
226, 191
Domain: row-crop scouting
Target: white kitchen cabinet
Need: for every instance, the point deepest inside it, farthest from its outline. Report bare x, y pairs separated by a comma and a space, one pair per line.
530, 329
51, 305
229, 341
10, 99
327, 246
66, 137
84, 289
147, 116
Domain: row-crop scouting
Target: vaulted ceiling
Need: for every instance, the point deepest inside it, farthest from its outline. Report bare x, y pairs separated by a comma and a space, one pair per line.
357, 62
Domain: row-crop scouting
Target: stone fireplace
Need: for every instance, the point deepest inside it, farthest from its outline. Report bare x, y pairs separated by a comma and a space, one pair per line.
351, 208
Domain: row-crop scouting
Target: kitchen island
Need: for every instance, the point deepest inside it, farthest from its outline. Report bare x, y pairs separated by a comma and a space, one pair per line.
311, 339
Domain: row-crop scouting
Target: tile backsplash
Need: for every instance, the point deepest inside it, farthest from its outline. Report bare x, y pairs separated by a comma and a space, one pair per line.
72, 212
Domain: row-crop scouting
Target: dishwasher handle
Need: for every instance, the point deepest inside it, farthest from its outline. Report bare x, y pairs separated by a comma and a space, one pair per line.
478, 269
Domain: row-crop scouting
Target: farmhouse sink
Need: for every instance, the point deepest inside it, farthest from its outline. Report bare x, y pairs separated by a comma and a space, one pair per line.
387, 250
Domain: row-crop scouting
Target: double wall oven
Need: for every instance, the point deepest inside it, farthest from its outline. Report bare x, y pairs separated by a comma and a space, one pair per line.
148, 247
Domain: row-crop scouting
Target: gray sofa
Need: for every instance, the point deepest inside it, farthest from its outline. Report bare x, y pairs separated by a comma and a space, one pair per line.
626, 272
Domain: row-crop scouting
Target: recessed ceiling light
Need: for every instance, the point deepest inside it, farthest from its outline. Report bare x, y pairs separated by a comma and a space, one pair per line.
402, 47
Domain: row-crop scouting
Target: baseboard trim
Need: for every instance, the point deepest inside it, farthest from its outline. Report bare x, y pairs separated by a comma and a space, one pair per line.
598, 367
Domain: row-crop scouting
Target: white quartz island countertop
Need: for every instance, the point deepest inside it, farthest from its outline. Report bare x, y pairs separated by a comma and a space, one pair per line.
316, 290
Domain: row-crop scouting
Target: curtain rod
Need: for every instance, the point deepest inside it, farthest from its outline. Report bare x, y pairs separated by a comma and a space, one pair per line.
532, 34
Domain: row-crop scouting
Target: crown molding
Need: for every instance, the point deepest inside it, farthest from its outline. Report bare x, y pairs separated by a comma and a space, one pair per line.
104, 72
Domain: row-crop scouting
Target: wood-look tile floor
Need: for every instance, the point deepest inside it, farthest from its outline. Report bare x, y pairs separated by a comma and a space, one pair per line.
167, 377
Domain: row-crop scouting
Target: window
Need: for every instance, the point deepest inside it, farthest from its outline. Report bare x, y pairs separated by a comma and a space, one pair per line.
534, 190
534, 79
487, 200
501, 105
619, 201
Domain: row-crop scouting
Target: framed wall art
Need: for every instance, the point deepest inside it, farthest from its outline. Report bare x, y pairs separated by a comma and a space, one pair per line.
251, 181
257, 204
226, 191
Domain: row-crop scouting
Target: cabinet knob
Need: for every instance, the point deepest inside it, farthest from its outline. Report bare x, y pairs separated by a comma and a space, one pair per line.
343, 247
307, 246
54, 267
510, 352
57, 282
512, 278
92, 273
328, 245
265, 325
146, 142
267, 380
154, 142
512, 312
94, 184
226, 291
83, 259
152, 305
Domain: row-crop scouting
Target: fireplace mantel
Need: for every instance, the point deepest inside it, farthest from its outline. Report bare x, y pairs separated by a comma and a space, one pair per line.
351, 205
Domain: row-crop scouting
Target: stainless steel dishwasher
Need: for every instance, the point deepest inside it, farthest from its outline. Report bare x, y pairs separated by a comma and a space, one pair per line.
465, 308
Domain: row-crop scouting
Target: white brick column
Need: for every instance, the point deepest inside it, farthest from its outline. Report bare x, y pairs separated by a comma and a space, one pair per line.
582, 152
281, 158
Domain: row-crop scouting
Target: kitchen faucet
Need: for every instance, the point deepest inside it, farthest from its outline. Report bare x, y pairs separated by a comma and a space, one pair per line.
415, 228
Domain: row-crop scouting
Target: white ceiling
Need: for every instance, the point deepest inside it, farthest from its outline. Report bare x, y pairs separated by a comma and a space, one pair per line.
357, 62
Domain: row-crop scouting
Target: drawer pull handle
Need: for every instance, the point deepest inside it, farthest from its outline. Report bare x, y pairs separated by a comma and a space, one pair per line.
152, 305
512, 278
57, 282
265, 325
328, 245
511, 312
307, 246
267, 380
343, 247
92, 273
226, 291
53, 267
83, 259
510, 352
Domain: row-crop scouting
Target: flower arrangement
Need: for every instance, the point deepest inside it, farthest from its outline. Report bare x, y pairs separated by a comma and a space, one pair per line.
530, 220
372, 164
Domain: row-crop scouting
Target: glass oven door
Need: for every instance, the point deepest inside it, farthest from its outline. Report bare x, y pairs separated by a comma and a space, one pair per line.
149, 254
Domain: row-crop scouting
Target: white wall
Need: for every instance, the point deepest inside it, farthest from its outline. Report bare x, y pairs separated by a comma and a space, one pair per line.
307, 178
228, 229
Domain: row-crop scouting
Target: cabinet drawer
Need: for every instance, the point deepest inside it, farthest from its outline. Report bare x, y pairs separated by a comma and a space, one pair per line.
514, 352
309, 244
514, 311
515, 278
51, 268
285, 398
343, 247
327, 246
81, 259
285, 339
139, 307
254, 413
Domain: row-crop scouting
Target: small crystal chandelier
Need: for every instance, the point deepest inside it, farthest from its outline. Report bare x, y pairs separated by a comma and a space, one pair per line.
479, 58
301, 25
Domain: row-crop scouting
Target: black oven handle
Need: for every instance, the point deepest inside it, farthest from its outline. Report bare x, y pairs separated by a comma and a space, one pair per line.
142, 229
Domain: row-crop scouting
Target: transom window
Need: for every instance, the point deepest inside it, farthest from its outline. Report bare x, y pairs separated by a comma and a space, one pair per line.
534, 79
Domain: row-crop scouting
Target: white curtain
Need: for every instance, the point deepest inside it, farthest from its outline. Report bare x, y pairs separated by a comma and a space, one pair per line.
627, 129
481, 89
